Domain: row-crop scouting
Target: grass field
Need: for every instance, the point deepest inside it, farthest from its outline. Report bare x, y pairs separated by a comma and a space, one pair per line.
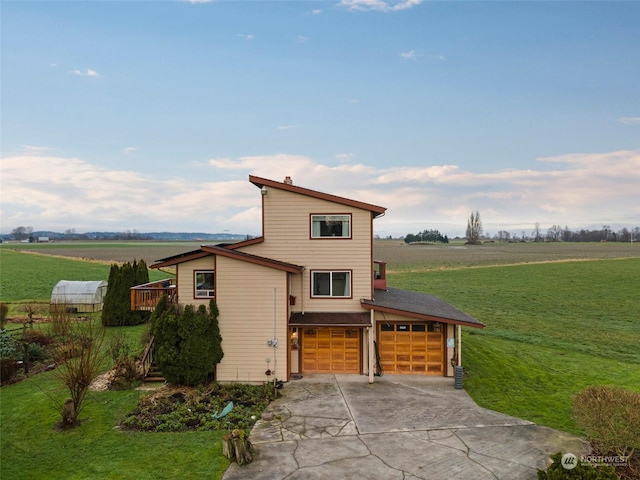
104, 251
554, 326
28, 277
552, 329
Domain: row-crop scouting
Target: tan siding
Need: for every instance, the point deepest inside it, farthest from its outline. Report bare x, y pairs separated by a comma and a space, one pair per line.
287, 238
245, 298
185, 280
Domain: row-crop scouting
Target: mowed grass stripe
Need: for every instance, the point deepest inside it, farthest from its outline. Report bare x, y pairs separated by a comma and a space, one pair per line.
587, 307
25, 277
552, 330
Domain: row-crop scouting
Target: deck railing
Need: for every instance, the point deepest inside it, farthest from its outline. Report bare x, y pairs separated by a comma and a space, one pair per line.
147, 296
147, 358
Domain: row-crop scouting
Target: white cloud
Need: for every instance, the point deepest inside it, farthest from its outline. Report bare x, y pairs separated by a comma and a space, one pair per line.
287, 127
629, 120
379, 5
50, 192
302, 39
317, 11
247, 36
129, 150
409, 55
344, 157
87, 72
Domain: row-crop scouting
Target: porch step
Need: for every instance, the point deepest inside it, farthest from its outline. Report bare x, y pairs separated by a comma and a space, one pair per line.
149, 379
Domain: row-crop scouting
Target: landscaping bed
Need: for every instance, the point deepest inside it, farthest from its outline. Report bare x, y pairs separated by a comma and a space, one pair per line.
177, 408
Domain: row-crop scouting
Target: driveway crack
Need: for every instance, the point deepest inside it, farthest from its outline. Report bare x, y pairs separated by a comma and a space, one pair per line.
455, 432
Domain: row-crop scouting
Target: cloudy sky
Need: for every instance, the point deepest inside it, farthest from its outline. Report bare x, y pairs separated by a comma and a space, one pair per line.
150, 115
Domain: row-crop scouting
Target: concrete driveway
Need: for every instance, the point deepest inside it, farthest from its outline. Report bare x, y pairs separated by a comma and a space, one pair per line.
400, 427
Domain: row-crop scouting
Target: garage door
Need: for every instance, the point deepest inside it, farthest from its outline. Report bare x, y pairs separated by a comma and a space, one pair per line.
330, 350
411, 347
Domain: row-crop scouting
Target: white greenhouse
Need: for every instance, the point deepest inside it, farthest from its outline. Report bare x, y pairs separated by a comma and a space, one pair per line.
78, 296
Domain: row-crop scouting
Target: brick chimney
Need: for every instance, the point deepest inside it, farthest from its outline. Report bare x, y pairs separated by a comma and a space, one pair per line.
287, 180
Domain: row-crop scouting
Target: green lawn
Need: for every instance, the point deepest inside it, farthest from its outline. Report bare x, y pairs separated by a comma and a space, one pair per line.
33, 449
29, 278
552, 330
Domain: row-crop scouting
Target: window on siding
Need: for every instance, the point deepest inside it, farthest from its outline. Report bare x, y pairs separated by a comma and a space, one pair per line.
203, 283
324, 226
331, 284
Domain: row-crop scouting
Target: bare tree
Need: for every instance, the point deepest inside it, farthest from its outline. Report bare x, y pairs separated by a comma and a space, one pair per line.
554, 233
536, 232
474, 228
81, 357
21, 233
504, 236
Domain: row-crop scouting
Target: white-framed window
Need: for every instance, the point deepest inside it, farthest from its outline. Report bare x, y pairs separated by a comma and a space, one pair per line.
331, 226
203, 283
331, 283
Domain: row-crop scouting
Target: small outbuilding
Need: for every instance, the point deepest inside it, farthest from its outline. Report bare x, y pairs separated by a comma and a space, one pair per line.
78, 296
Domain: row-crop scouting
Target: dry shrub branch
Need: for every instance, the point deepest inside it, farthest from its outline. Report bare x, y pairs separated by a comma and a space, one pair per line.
80, 358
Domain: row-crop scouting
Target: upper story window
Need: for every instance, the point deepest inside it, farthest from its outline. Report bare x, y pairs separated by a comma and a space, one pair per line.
331, 284
325, 226
203, 284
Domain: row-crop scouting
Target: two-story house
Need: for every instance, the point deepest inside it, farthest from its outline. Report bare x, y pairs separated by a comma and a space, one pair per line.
308, 297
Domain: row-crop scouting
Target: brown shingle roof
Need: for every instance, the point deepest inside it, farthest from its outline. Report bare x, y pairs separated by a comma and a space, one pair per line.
419, 305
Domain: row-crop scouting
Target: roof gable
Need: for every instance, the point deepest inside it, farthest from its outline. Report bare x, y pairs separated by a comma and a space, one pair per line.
259, 182
208, 250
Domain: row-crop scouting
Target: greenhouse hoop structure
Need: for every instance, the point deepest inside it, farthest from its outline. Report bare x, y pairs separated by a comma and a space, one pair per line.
78, 296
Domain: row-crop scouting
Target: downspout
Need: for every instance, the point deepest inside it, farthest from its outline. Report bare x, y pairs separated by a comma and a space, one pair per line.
275, 333
302, 291
459, 345
372, 358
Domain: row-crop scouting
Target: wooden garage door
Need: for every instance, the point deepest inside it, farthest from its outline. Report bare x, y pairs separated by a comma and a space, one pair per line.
330, 350
415, 348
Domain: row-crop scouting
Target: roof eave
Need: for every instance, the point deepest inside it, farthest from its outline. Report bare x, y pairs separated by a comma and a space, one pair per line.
260, 182
421, 316
245, 257
175, 260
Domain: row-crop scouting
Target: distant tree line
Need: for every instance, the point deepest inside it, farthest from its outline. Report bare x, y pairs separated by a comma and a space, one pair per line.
426, 236
556, 233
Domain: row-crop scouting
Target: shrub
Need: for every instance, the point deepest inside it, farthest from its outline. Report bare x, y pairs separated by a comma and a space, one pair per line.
582, 471
188, 343
37, 337
8, 345
37, 353
8, 356
4, 311
116, 310
60, 322
124, 363
84, 355
610, 417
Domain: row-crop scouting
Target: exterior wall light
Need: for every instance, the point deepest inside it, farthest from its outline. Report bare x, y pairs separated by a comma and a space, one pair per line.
263, 190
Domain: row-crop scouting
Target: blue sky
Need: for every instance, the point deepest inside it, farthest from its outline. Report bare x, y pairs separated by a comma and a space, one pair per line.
151, 115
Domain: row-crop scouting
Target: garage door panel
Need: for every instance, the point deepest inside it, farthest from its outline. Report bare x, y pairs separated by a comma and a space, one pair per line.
331, 350
410, 348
